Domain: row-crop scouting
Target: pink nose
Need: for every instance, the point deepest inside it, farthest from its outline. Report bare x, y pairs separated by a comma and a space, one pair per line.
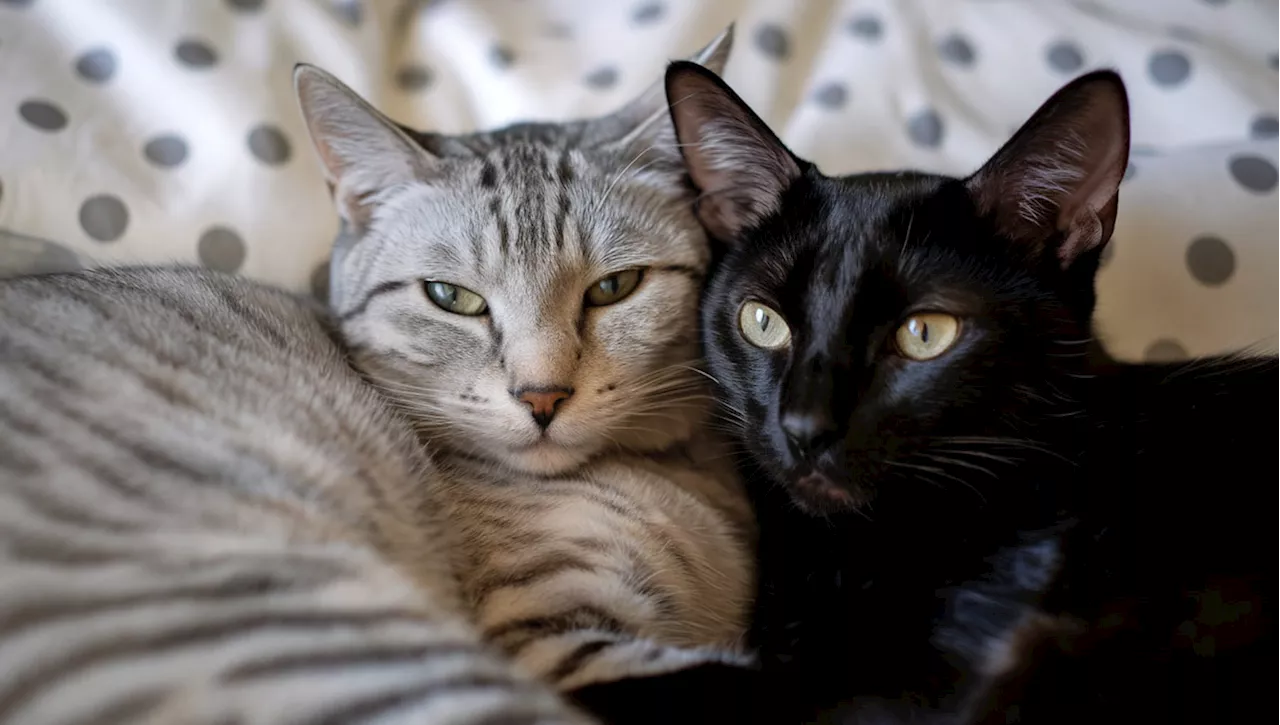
543, 402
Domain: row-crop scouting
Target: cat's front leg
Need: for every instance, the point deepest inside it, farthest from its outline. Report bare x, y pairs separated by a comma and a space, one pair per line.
946, 664
880, 711
699, 695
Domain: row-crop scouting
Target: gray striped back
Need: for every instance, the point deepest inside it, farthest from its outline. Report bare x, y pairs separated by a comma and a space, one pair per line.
207, 517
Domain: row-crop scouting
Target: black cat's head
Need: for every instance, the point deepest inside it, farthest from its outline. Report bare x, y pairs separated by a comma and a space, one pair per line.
876, 333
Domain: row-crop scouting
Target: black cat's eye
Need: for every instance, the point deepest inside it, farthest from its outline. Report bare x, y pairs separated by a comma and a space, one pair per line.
763, 326
926, 335
455, 299
613, 288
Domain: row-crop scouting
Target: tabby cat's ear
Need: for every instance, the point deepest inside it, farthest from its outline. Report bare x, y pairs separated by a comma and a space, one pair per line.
738, 165
643, 126
362, 151
1054, 185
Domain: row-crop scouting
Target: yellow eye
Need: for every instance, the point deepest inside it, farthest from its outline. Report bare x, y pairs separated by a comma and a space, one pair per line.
763, 327
455, 299
927, 335
614, 288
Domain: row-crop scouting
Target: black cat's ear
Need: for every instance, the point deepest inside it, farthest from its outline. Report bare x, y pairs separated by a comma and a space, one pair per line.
363, 152
1054, 185
738, 165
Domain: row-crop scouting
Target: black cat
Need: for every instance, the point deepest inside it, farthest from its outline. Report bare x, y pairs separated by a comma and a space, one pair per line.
971, 519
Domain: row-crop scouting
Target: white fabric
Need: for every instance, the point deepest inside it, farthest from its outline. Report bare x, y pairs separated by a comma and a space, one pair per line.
849, 84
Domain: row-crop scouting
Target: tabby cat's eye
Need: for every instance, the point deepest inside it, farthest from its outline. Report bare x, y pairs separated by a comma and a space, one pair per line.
763, 327
455, 299
927, 335
614, 288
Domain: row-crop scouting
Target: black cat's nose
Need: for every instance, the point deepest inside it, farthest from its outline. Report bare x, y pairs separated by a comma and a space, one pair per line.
807, 430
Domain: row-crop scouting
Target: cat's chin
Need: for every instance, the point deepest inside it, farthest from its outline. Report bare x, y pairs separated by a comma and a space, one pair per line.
544, 458
816, 493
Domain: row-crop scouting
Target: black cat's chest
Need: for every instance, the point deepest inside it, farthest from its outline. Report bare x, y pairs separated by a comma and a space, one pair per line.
864, 600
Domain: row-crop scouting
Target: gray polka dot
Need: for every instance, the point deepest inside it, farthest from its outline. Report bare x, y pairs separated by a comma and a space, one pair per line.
1263, 127
501, 56
648, 13
320, 282
1169, 68
245, 5
1273, 60
1162, 351
602, 78
104, 217
1210, 261
222, 249
772, 41
832, 96
97, 65
867, 27
167, 150
269, 145
350, 12
43, 115
1064, 56
925, 128
956, 49
21, 254
559, 31
195, 53
1253, 173
413, 77
1215, 2
1129, 171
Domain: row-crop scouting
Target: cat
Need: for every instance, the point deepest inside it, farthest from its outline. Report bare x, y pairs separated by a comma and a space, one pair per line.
527, 296
207, 516
964, 516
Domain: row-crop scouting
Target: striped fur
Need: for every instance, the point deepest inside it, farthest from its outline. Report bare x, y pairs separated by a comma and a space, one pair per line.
618, 541
206, 516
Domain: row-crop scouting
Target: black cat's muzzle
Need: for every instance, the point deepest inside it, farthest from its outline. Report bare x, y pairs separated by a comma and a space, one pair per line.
822, 490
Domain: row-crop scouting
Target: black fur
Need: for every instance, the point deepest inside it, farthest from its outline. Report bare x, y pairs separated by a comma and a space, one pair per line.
1017, 530
699, 695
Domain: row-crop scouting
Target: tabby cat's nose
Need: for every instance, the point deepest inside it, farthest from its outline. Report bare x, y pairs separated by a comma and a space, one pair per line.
807, 430
542, 402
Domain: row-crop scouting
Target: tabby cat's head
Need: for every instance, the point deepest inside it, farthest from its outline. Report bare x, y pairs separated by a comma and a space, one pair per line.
885, 335
529, 295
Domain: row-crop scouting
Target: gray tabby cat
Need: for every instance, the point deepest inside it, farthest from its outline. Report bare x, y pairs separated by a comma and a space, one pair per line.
528, 297
206, 516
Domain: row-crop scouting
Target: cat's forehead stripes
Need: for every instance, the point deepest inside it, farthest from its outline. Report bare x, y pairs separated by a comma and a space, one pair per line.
535, 212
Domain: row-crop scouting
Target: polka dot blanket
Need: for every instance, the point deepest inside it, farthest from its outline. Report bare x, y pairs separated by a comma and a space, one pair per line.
154, 130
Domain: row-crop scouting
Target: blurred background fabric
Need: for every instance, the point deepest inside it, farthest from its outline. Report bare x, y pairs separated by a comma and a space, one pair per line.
166, 130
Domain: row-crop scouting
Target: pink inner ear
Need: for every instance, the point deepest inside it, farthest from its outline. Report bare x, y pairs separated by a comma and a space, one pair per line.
717, 212
738, 165
1084, 233
1087, 218
1056, 182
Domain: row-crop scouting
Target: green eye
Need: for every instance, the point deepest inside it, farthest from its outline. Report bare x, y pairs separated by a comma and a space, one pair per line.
613, 288
455, 299
763, 327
